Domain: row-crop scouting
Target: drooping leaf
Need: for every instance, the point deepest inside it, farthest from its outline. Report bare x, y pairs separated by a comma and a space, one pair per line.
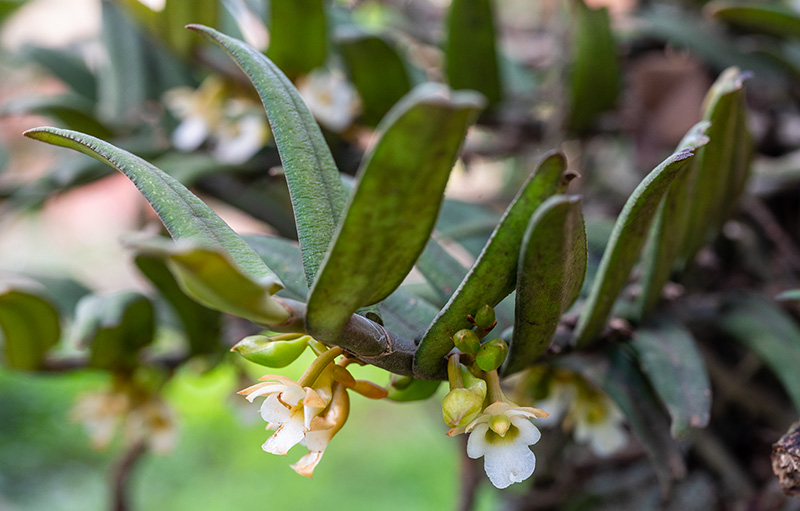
595, 76
318, 195
114, 328
627, 238
391, 215
669, 227
470, 53
377, 72
184, 215
771, 334
550, 274
298, 39
767, 18
494, 274
670, 360
30, 326
722, 164
202, 325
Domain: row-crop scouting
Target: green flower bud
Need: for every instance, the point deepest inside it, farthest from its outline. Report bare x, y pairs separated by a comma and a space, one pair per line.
492, 354
277, 351
485, 317
467, 341
460, 406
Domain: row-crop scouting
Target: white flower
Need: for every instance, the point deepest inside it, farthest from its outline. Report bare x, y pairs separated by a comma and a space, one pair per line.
502, 434
600, 424
322, 429
154, 423
100, 413
331, 99
289, 409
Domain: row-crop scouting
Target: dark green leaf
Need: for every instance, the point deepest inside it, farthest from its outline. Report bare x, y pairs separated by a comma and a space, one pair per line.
114, 328
394, 208
443, 271
771, 334
670, 360
405, 314
377, 72
30, 326
298, 39
318, 195
68, 68
412, 389
766, 18
73, 112
627, 238
494, 274
595, 77
552, 267
185, 216
470, 50
283, 256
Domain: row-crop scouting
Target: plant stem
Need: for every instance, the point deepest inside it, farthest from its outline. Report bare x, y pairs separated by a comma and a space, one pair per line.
318, 365
120, 477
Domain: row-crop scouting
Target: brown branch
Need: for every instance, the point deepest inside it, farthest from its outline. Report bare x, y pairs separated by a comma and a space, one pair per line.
470, 479
120, 477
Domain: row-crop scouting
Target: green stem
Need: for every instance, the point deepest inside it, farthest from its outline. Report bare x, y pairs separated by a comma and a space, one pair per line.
454, 372
494, 392
317, 366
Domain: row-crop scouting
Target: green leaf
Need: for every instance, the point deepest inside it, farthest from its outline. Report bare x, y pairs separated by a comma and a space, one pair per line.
407, 389
670, 360
30, 326
298, 39
201, 325
212, 279
722, 164
595, 76
283, 256
771, 334
406, 314
66, 67
72, 111
790, 295
171, 22
494, 274
114, 328
772, 19
443, 271
185, 216
377, 72
470, 53
625, 385
552, 267
627, 238
318, 195
391, 215
669, 227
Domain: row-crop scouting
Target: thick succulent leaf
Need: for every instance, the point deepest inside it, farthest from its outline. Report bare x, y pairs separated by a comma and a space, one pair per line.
669, 227
377, 71
318, 195
298, 38
722, 164
212, 279
30, 325
771, 19
494, 274
771, 334
627, 387
184, 215
443, 271
114, 328
595, 77
202, 326
550, 275
391, 215
470, 53
670, 360
627, 238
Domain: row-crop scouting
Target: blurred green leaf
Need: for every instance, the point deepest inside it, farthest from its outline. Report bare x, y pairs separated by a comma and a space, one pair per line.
670, 360
184, 215
470, 53
30, 326
722, 165
790, 295
412, 389
669, 227
114, 328
406, 314
66, 67
9, 6
72, 111
318, 195
443, 271
627, 238
283, 256
377, 71
550, 275
391, 215
467, 223
595, 77
494, 274
201, 325
298, 38
179, 13
767, 18
769, 332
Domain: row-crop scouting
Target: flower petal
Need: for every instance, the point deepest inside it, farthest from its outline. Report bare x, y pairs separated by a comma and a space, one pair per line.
288, 434
508, 463
272, 410
305, 466
529, 434
476, 442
